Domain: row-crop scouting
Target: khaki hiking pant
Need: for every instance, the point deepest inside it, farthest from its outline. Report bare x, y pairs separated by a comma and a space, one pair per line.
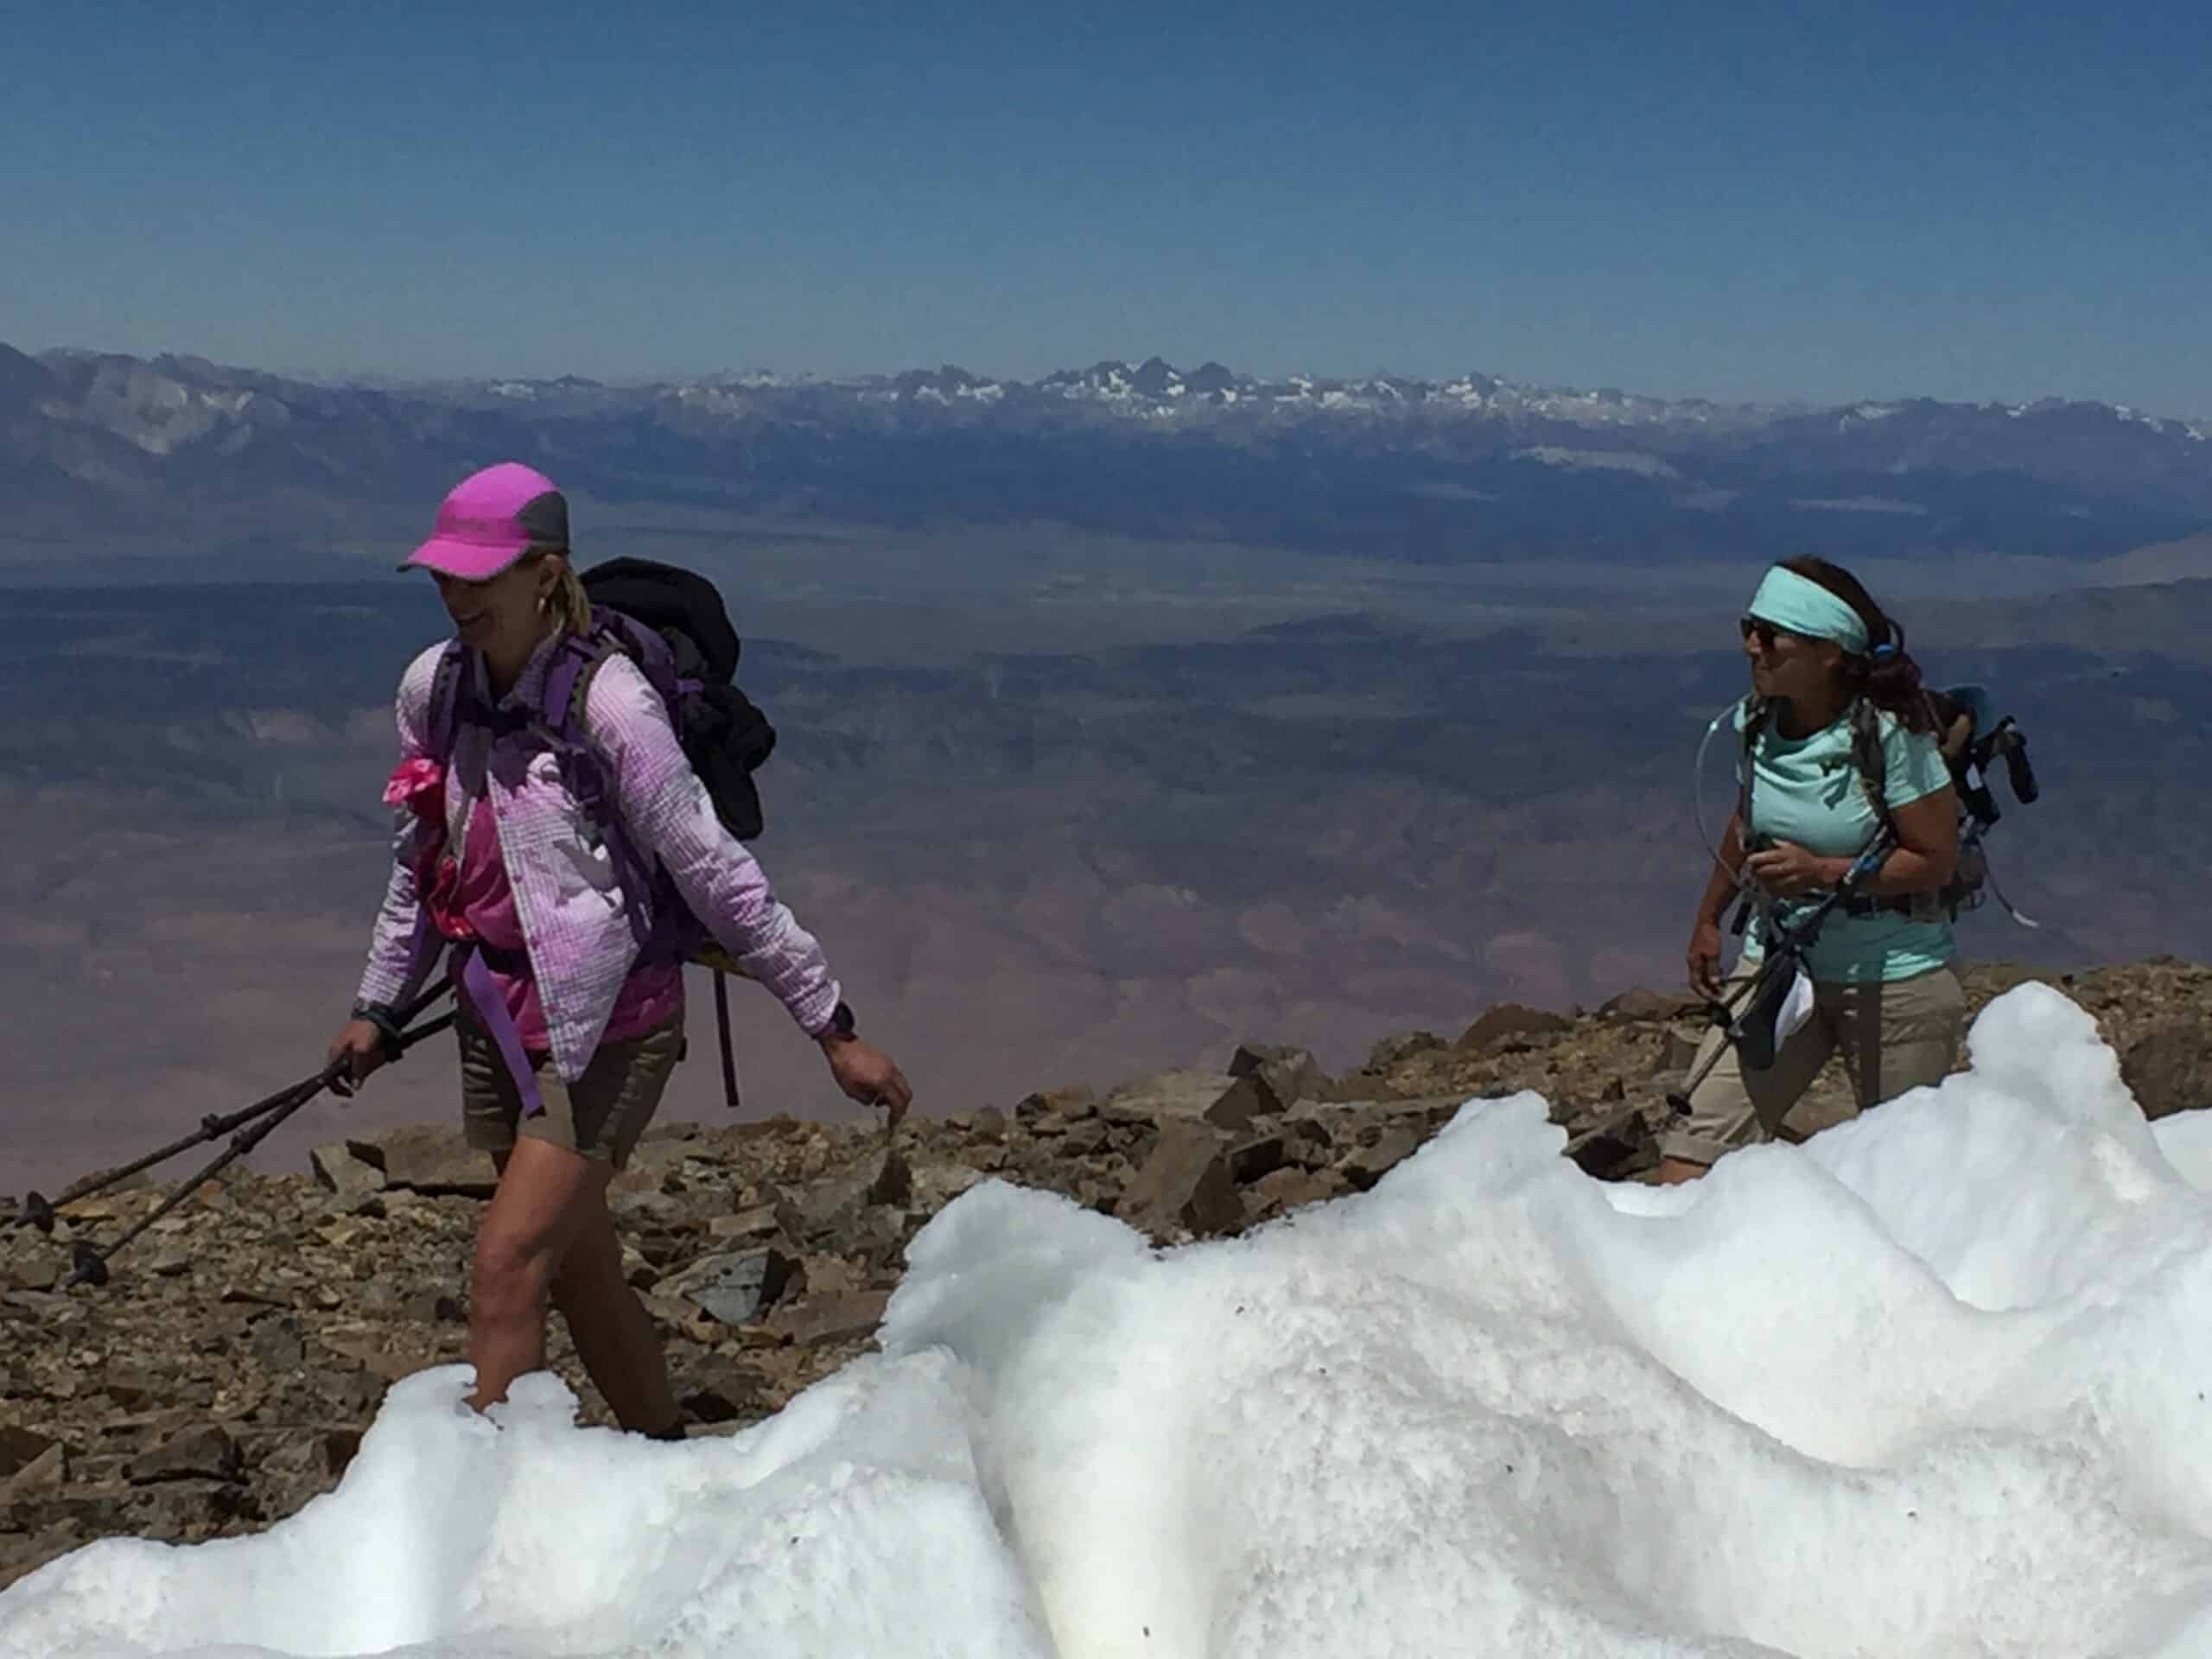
1894, 1036
601, 1115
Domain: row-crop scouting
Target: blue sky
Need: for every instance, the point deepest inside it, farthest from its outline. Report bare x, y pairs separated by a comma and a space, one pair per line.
1755, 200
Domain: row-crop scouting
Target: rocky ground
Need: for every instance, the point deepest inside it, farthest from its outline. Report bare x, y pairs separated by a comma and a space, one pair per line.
225, 1373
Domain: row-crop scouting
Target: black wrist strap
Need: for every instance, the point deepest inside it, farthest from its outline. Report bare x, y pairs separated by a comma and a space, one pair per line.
382, 1018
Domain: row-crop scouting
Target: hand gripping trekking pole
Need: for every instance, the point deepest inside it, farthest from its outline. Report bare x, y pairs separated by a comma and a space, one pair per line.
1754, 999
89, 1262
38, 1210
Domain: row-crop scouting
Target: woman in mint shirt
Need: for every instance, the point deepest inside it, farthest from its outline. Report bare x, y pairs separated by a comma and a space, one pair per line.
1884, 992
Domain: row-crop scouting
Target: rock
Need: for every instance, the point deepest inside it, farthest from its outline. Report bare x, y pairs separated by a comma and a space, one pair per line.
339, 1447
1069, 1102
832, 1205
434, 1307
1184, 1184
1244, 1100
1307, 1142
1677, 1052
1508, 1025
277, 1344
719, 1389
189, 1509
894, 1181
1401, 1046
1345, 1119
1644, 1006
427, 1158
19, 1447
735, 1286
880, 1230
1086, 1138
1291, 1074
827, 1275
839, 1317
207, 1453
290, 1468
170, 1261
130, 1388
32, 1264
643, 1207
1622, 1145
255, 1296
2168, 1068
1256, 1158
103, 1206
345, 1397
1288, 1188
1370, 1164
937, 1184
990, 1124
1166, 1096
758, 1225
34, 1477
338, 1171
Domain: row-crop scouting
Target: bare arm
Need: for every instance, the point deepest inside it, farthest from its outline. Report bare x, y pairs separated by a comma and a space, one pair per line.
1720, 886
1926, 854
1703, 957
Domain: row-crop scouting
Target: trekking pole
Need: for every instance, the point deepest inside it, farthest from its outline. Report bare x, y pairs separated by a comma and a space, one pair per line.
90, 1263
1789, 946
1722, 1012
38, 1210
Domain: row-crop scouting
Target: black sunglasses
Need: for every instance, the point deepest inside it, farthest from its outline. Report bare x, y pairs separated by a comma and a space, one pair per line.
1766, 630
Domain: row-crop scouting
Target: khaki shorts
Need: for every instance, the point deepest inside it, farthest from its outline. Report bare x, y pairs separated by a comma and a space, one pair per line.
601, 1115
1894, 1035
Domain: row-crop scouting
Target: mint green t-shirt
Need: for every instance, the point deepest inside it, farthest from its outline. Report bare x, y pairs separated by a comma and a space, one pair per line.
1806, 790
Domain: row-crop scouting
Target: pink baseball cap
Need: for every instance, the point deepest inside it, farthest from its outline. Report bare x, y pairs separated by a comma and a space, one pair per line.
492, 518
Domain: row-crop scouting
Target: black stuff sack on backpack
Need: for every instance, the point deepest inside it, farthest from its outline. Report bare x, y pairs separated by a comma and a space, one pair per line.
725, 735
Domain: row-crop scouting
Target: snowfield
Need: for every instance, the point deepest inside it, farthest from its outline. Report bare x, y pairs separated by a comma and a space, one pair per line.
1933, 1384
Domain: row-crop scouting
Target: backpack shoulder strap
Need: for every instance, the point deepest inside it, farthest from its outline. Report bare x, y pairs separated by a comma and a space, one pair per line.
441, 713
1870, 761
566, 690
1757, 711
568, 685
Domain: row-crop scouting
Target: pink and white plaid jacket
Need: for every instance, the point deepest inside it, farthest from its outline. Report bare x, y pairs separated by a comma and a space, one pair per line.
576, 927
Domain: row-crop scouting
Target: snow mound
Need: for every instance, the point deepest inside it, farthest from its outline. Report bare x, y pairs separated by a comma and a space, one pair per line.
1933, 1384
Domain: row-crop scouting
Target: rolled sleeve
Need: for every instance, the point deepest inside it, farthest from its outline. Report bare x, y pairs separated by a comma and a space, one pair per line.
1912, 766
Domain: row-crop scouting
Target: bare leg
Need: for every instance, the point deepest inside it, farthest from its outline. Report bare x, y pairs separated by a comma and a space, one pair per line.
614, 1336
546, 1194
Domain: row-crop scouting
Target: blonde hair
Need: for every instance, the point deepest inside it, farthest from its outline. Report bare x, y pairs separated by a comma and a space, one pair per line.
567, 600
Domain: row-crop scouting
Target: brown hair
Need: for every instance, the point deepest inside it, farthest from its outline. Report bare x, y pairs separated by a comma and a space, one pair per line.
1885, 673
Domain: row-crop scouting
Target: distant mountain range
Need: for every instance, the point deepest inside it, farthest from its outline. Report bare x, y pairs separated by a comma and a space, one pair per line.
99, 445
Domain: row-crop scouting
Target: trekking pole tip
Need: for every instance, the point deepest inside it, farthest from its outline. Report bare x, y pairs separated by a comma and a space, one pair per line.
88, 1267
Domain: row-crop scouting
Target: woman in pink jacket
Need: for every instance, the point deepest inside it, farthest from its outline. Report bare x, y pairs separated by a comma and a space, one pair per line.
568, 1032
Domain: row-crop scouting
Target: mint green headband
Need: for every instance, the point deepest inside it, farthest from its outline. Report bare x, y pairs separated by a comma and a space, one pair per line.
1802, 606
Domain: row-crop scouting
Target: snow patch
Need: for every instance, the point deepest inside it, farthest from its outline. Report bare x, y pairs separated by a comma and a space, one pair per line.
1932, 1384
